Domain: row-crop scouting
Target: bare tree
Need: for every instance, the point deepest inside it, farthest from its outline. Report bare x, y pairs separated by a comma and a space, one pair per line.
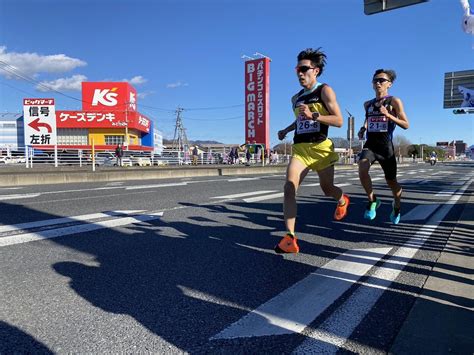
401, 144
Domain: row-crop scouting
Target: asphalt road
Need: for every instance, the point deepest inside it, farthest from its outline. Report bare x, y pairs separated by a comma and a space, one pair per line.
187, 265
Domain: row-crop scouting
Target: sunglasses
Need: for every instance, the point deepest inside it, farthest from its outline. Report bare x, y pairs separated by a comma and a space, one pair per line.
303, 69
379, 80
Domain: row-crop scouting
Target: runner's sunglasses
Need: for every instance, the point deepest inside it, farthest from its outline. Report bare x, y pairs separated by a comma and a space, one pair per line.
379, 80
303, 69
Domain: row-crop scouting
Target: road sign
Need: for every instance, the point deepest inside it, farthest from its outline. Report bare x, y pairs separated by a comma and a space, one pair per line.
376, 6
39, 117
459, 89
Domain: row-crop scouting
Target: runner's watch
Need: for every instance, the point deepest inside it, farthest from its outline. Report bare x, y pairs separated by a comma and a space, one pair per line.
315, 116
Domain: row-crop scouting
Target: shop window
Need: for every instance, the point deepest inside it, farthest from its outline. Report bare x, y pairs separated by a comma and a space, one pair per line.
114, 140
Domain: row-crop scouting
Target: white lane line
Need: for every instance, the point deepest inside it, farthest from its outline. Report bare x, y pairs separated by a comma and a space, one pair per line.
419, 213
88, 227
353, 179
265, 197
293, 309
243, 194
11, 188
313, 184
155, 185
377, 178
331, 336
458, 183
446, 192
243, 179
17, 196
64, 220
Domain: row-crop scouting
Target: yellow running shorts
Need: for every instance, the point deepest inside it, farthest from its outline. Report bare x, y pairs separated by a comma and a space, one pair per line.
316, 156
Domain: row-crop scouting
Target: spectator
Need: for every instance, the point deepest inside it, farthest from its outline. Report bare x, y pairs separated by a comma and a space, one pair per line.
119, 154
195, 155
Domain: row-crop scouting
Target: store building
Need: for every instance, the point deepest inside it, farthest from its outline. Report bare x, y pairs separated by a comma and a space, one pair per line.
108, 117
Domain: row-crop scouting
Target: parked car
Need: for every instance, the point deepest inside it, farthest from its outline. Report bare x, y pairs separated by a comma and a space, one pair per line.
109, 159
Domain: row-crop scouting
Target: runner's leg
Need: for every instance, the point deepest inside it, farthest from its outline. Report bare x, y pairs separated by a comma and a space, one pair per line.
295, 174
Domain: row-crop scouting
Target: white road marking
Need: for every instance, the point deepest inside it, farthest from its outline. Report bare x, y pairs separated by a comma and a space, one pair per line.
265, 197
64, 220
420, 212
243, 179
17, 196
139, 187
331, 336
458, 183
83, 228
243, 194
446, 192
293, 309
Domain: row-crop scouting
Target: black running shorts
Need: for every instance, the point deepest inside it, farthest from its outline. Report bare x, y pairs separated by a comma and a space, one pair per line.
386, 159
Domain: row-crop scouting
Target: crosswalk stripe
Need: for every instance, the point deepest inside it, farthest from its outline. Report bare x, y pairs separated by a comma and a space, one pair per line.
243, 194
265, 197
420, 212
293, 309
330, 337
86, 227
64, 220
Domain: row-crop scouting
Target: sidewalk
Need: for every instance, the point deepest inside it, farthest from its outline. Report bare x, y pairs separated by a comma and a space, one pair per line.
437, 326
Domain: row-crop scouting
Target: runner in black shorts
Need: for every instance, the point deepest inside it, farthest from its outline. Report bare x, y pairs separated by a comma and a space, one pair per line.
382, 115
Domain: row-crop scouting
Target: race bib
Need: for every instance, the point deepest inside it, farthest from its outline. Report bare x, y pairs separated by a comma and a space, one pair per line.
377, 124
306, 126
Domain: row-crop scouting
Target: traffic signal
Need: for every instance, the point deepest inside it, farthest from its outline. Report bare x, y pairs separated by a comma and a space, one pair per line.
461, 111
376, 6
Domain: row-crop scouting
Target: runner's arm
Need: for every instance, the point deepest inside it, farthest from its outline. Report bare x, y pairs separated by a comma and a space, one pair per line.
282, 134
335, 117
401, 119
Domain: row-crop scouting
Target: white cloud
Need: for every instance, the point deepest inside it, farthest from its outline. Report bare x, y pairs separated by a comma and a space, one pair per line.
32, 63
142, 95
176, 85
63, 84
136, 80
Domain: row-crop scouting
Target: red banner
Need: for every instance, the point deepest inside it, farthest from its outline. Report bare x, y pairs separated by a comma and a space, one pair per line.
102, 96
103, 119
257, 101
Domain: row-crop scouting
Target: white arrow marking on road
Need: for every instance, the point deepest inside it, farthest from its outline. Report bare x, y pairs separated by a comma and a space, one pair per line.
87, 227
419, 213
243, 194
293, 309
331, 336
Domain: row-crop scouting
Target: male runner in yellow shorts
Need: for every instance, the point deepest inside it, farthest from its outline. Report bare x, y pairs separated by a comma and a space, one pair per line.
315, 108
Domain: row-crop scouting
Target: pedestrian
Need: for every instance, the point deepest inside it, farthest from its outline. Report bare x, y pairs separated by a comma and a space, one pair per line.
382, 114
195, 155
119, 154
248, 156
315, 108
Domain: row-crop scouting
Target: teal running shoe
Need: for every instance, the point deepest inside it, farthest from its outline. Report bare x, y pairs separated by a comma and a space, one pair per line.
395, 215
370, 212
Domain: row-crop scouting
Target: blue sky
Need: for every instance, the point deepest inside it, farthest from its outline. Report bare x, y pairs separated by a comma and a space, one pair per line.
187, 53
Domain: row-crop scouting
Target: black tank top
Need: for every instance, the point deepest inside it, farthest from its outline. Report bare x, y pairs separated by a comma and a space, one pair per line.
379, 127
308, 131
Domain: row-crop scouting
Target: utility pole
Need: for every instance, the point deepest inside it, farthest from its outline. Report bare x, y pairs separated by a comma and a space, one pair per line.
350, 134
180, 140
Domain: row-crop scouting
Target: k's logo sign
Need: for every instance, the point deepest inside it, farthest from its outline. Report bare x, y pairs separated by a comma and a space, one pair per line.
106, 97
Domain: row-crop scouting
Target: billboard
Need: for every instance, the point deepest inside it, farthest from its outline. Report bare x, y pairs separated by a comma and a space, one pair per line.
39, 122
100, 96
103, 119
459, 89
257, 101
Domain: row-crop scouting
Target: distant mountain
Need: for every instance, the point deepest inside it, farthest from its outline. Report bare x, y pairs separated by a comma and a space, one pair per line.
198, 142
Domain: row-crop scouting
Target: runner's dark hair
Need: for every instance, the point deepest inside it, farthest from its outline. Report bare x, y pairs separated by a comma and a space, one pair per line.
316, 56
390, 73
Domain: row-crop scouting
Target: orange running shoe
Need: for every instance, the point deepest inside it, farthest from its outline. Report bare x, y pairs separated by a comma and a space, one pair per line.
287, 245
341, 210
